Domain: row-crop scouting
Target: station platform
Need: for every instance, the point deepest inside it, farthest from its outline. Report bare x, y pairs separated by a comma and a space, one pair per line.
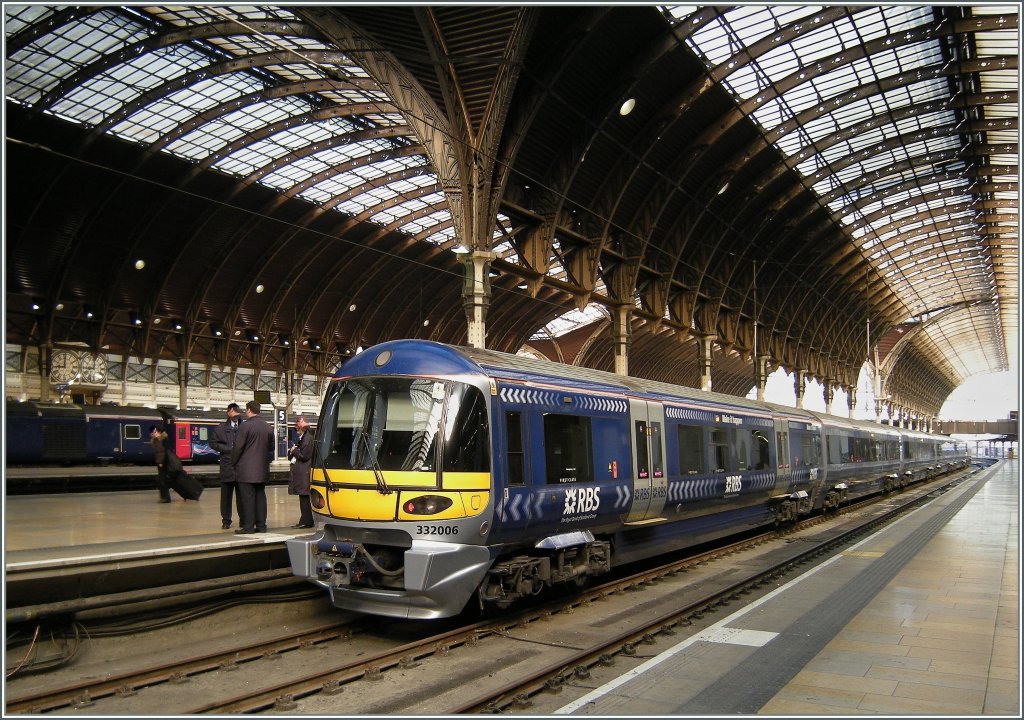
109, 525
921, 618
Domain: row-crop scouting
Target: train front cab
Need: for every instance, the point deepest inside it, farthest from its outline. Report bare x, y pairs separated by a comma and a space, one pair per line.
403, 487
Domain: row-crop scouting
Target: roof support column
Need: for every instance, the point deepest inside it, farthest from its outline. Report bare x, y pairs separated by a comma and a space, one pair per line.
799, 386
828, 390
704, 346
476, 295
851, 399
182, 383
761, 375
44, 374
879, 408
622, 332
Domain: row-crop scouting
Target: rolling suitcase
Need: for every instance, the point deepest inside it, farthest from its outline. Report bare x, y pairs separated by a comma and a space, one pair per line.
185, 485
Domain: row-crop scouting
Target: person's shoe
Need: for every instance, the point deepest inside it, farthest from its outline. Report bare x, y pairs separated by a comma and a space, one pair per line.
226, 525
302, 526
243, 531
261, 530
163, 500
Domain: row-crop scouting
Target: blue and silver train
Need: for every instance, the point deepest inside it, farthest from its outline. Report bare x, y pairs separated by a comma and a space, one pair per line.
446, 475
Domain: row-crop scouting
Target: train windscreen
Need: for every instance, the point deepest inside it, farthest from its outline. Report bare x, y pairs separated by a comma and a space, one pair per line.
395, 423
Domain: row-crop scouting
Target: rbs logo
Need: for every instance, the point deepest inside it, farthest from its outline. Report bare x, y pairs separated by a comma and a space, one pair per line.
581, 500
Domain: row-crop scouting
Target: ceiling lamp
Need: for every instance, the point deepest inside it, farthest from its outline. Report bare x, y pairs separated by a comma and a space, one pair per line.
627, 107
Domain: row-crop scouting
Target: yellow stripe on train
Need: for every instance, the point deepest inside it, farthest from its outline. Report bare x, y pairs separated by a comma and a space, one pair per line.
397, 479
358, 503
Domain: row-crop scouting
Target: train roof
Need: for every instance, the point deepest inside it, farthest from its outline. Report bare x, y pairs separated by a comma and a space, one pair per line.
441, 359
444, 359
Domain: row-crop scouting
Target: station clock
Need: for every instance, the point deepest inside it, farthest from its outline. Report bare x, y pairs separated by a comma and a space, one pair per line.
64, 366
94, 369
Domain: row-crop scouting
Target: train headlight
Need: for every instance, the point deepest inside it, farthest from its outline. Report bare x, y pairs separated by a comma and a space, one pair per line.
427, 505
316, 499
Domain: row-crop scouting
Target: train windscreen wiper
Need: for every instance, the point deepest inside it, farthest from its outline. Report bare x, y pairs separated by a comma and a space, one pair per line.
382, 486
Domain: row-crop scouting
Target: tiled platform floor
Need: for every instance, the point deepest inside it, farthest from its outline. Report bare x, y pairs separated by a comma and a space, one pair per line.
942, 638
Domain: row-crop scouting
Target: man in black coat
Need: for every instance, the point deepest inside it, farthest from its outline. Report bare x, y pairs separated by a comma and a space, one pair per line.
222, 439
250, 458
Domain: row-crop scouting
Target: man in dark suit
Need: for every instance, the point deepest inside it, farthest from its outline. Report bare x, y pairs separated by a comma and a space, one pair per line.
250, 458
222, 439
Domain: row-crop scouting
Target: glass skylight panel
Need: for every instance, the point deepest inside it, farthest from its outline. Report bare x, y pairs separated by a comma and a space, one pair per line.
442, 237
38, 68
18, 17
424, 223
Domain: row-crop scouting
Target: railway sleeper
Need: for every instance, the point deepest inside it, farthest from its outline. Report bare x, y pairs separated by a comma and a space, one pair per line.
524, 575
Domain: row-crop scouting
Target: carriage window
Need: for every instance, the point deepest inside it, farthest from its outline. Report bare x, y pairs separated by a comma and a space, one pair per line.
204, 433
742, 449
132, 432
762, 450
657, 463
809, 449
643, 464
691, 449
782, 449
720, 449
567, 449
514, 448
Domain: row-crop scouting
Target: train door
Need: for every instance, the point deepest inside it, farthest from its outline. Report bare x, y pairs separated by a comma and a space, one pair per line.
182, 441
513, 505
650, 485
783, 469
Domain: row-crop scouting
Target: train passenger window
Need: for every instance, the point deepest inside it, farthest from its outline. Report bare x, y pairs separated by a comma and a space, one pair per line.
514, 459
204, 433
742, 444
691, 449
810, 450
466, 436
720, 449
643, 463
657, 464
568, 453
132, 432
762, 449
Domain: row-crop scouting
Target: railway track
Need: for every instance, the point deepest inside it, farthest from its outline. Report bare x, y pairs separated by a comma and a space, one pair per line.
324, 662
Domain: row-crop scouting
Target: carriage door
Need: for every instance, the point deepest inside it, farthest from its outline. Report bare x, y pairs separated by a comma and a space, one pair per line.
650, 485
783, 470
515, 502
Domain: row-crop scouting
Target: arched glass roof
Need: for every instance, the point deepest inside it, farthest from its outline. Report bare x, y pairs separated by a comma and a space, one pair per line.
865, 106
241, 89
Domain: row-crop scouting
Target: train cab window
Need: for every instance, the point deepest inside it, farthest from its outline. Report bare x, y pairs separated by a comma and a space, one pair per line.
568, 449
691, 449
643, 462
514, 457
720, 449
132, 432
762, 449
466, 438
182, 429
